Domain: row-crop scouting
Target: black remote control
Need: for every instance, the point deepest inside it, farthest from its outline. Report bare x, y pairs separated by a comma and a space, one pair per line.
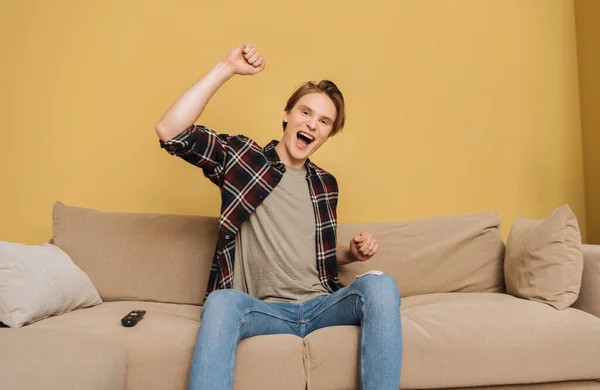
132, 318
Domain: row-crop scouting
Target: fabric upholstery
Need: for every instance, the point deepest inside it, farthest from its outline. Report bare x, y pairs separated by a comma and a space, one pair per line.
160, 346
469, 339
589, 295
270, 362
37, 281
543, 261
136, 256
60, 360
568, 385
442, 254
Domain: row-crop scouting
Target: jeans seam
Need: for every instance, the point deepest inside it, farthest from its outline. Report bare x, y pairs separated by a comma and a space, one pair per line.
300, 319
232, 361
247, 311
351, 292
362, 345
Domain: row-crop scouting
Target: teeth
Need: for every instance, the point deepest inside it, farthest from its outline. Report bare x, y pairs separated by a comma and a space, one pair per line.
310, 137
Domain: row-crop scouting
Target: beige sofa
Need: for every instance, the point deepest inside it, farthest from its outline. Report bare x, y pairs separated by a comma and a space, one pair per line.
460, 329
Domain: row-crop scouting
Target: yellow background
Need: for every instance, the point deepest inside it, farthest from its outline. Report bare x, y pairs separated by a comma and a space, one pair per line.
454, 106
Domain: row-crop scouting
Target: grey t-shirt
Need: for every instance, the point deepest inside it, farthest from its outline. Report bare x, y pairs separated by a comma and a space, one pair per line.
275, 253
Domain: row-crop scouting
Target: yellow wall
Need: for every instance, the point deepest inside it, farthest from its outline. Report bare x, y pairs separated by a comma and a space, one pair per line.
454, 106
588, 45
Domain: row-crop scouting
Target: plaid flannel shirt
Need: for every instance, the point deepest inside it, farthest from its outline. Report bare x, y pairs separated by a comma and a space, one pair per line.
246, 174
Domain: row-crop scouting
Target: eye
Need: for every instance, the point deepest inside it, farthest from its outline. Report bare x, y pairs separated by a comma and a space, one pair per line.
304, 112
324, 122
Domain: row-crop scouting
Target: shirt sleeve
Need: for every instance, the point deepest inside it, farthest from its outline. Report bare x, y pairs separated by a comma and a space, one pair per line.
202, 147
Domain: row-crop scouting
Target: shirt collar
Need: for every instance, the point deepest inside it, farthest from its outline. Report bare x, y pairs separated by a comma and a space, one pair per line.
274, 159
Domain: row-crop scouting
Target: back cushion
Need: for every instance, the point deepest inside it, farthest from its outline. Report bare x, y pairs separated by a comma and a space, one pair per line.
135, 256
442, 254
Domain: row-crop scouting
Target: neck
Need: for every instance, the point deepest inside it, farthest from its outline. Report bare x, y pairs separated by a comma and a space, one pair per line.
287, 158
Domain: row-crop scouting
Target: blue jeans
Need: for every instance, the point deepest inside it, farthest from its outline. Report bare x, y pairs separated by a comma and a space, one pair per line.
371, 301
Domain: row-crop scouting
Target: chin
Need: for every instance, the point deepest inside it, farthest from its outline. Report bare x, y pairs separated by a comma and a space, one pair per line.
300, 154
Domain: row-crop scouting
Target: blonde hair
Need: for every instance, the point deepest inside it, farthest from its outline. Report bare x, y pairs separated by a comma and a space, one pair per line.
328, 88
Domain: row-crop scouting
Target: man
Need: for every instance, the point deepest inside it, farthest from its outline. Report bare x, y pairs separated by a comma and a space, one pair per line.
275, 264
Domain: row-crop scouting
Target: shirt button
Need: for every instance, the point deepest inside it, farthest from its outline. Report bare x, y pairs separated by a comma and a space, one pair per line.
227, 237
241, 218
261, 197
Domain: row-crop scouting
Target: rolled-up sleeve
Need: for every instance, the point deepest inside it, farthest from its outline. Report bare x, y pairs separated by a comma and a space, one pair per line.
180, 143
202, 147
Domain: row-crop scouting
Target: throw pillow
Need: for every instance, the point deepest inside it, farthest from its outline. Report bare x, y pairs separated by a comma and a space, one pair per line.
38, 281
544, 260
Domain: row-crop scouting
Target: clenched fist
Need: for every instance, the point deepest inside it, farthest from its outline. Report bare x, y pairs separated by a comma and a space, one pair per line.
245, 60
363, 246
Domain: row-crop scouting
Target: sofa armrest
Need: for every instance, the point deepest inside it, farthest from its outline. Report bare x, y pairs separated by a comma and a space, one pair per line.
589, 295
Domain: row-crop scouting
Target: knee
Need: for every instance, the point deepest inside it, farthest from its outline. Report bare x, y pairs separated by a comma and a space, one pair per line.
379, 288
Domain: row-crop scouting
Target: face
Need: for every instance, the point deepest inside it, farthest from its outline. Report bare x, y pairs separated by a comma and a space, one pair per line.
308, 126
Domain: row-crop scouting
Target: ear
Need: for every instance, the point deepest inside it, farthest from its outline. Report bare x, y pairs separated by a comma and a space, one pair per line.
285, 120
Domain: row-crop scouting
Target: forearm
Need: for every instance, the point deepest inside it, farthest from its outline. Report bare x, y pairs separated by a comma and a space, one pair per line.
186, 110
344, 256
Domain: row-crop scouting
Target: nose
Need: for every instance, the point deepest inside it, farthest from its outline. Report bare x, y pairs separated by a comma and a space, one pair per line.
312, 123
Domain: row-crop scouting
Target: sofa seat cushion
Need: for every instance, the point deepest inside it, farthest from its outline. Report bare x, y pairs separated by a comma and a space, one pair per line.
470, 339
57, 359
570, 385
160, 346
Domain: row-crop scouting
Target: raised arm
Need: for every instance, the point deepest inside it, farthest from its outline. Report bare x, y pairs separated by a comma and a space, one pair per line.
243, 60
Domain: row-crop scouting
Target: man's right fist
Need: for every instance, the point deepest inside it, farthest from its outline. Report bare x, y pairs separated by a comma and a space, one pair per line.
245, 60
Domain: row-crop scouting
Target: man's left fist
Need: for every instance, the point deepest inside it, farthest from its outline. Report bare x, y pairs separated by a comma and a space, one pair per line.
363, 246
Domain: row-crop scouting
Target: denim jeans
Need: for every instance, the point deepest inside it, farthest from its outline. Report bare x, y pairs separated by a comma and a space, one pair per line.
371, 301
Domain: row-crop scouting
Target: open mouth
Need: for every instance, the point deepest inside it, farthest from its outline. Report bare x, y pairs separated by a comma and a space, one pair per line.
304, 139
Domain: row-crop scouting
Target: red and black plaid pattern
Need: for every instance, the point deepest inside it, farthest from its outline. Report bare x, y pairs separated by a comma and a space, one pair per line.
246, 175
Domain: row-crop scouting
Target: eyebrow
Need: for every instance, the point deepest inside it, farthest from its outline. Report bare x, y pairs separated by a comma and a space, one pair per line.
311, 110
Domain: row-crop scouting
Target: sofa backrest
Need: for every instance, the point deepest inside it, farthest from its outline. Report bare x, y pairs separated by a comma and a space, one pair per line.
462, 253
167, 258
137, 256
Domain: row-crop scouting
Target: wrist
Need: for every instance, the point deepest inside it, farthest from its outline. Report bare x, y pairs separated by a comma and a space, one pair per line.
224, 71
351, 257
345, 255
